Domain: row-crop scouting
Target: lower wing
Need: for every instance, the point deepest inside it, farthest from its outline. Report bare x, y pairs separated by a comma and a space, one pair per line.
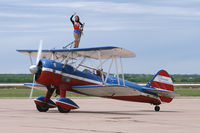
39, 86
106, 90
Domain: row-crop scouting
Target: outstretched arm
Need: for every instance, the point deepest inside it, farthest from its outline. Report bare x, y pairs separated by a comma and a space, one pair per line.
71, 19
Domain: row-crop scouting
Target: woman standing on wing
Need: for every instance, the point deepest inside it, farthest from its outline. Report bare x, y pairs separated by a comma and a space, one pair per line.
78, 27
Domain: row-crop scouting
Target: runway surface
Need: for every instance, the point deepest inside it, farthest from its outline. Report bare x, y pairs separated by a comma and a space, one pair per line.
98, 115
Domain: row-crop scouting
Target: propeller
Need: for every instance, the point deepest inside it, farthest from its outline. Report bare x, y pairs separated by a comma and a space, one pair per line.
34, 68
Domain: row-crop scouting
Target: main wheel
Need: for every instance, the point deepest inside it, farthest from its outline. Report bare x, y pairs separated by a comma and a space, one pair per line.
63, 110
45, 108
157, 108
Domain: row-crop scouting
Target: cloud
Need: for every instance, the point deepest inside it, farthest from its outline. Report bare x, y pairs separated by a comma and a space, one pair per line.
25, 15
164, 8
122, 8
32, 25
35, 30
123, 14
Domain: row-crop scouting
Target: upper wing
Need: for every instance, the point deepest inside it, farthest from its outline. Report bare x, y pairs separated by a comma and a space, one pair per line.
105, 53
106, 90
161, 92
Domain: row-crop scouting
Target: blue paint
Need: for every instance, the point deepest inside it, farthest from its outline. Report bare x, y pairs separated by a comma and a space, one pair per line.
41, 98
69, 50
67, 100
111, 79
34, 84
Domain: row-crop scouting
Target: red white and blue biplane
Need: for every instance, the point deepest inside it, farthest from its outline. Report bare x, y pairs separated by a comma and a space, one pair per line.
58, 70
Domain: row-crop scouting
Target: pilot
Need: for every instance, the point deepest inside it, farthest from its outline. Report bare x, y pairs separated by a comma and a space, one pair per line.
98, 72
78, 28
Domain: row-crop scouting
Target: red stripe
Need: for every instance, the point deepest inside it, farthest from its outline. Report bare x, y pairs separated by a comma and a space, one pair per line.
42, 104
165, 99
139, 98
165, 87
39, 103
50, 78
66, 106
160, 85
164, 73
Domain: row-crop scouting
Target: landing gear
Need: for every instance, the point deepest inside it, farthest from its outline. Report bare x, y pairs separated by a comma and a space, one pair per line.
44, 103
44, 108
63, 110
64, 104
157, 108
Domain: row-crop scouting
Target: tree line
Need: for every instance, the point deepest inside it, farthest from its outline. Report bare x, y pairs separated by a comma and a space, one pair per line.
139, 78
177, 78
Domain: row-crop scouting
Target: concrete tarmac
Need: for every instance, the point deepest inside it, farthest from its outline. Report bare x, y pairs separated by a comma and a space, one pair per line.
98, 115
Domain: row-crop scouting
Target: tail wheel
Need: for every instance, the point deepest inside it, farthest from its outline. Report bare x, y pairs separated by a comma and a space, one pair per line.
157, 108
63, 110
44, 108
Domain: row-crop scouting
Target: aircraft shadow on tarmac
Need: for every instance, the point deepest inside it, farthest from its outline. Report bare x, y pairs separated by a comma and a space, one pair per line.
138, 112
159, 111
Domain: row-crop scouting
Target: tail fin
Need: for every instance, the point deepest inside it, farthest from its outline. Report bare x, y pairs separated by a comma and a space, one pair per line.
162, 80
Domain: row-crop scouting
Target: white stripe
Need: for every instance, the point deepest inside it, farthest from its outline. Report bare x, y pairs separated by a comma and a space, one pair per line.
11, 84
149, 95
44, 102
71, 76
163, 79
66, 103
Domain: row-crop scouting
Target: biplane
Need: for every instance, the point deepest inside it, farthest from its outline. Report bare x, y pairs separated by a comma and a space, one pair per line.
59, 71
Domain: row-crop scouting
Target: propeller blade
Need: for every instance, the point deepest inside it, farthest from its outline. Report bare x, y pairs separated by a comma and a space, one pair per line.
37, 61
31, 94
39, 52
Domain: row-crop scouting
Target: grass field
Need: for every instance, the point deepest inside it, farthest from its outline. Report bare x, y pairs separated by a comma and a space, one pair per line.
17, 93
26, 92
188, 92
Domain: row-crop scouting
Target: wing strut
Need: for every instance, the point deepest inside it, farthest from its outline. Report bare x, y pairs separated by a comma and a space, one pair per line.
122, 71
100, 61
116, 66
80, 64
31, 59
109, 70
53, 56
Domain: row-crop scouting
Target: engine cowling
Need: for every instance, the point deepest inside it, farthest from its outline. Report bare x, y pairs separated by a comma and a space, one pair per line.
46, 74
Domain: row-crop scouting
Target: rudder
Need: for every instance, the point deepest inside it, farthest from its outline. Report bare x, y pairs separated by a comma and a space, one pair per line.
162, 80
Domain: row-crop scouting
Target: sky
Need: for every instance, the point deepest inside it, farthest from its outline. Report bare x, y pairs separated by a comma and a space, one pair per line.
164, 34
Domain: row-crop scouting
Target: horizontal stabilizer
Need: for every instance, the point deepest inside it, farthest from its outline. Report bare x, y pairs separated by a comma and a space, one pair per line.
39, 86
106, 90
161, 92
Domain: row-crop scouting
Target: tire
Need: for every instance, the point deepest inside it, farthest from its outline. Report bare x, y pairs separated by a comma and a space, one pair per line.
63, 110
45, 108
157, 108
